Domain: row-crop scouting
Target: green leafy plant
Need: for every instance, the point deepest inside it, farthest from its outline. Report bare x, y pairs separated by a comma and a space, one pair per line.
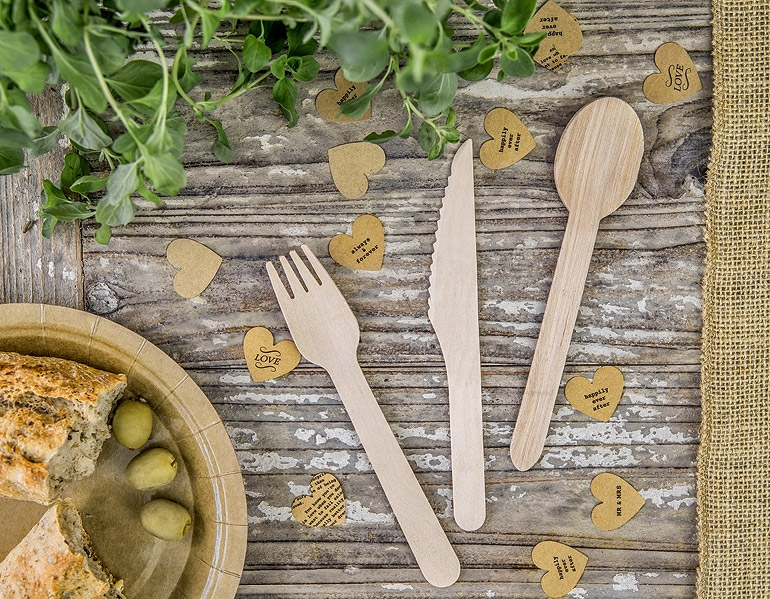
124, 114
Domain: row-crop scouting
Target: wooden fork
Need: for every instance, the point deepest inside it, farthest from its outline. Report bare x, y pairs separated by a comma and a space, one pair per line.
326, 333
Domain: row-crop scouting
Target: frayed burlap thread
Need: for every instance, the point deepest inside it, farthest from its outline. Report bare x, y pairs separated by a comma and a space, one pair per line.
734, 456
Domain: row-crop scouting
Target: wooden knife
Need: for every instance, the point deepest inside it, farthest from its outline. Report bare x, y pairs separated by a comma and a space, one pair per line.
453, 309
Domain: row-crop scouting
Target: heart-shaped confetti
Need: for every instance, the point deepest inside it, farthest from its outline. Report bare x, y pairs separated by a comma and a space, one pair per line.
619, 501
365, 249
325, 506
265, 360
197, 264
328, 101
510, 142
351, 163
564, 567
563, 38
597, 399
677, 79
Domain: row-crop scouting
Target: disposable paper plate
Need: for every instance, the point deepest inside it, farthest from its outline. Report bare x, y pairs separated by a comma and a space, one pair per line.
209, 562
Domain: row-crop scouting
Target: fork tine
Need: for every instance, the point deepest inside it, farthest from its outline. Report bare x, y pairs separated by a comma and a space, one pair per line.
296, 287
320, 271
304, 273
280, 291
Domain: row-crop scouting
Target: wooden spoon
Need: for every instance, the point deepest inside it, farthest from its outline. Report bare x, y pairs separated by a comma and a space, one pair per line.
596, 166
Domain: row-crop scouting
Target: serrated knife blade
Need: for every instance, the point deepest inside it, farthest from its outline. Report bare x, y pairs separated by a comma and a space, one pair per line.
453, 310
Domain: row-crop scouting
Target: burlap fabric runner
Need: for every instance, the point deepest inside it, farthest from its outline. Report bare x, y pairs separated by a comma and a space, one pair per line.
734, 458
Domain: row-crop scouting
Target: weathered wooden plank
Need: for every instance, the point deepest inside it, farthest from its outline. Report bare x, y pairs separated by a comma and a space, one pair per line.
34, 269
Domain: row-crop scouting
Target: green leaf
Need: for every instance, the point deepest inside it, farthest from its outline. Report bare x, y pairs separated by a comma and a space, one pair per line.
298, 45
477, 73
88, 184
516, 15
530, 40
45, 142
110, 51
426, 136
21, 119
363, 54
165, 172
221, 147
103, 234
48, 226
382, 137
11, 160
451, 117
256, 54
306, 68
67, 21
116, 207
466, 59
451, 135
77, 71
138, 6
52, 195
357, 107
75, 167
189, 79
68, 211
32, 79
18, 50
285, 94
437, 149
438, 94
145, 192
278, 66
209, 25
419, 23
84, 130
517, 64
488, 53
135, 79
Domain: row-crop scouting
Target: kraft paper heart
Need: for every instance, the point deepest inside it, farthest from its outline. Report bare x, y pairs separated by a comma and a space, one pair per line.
325, 506
265, 360
197, 266
365, 249
597, 399
563, 38
564, 567
350, 163
619, 501
328, 101
677, 78
510, 142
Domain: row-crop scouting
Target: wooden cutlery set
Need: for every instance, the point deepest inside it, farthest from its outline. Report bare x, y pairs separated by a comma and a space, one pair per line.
595, 169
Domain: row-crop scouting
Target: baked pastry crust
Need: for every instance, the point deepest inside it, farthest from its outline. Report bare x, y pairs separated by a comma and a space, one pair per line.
55, 561
53, 421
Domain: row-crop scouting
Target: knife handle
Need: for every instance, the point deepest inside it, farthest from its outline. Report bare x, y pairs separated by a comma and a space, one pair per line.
467, 438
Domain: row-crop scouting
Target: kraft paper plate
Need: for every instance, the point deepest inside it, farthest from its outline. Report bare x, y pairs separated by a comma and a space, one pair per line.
209, 562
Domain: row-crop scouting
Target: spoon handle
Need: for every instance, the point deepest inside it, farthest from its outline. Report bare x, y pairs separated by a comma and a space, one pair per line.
553, 342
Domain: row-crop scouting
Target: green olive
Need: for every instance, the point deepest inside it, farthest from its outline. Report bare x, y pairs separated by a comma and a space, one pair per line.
132, 424
151, 469
165, 519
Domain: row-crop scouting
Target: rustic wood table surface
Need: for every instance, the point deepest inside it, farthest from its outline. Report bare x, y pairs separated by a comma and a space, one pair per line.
641, 311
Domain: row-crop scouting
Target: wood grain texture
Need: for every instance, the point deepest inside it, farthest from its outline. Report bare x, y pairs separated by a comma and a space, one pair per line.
640, 311
453, 310
595, 168
34, 269
326, 333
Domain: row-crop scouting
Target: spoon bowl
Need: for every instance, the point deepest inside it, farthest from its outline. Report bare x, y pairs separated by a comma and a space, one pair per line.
598, 157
